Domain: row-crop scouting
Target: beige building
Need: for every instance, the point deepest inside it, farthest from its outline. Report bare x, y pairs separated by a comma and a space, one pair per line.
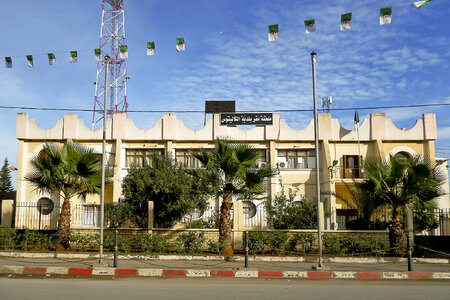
292, 151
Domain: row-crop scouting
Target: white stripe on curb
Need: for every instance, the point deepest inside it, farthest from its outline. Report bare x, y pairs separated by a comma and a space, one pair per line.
395, 275
150, 272
103, 271
198, 273
11, 269
295, 274
441, 275
246, 274
343, 275
58, 270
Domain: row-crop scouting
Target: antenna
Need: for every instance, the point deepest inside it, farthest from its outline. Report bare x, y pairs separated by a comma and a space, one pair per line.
112, 36
326, 103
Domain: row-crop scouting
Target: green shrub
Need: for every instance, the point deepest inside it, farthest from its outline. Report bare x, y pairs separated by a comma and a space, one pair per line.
350, 244
375, 247
191, 243
124, 244
8, 238
257, 242
302, 242
151, 243
214, 246
331, 244
31, 239
84, 242
278, 242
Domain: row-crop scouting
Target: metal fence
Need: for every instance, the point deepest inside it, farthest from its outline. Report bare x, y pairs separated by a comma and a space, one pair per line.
42, 216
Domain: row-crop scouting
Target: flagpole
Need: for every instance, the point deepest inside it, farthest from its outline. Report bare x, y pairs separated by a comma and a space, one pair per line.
357, 133
316, 139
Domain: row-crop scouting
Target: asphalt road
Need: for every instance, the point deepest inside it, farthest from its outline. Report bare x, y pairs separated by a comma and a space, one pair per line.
215, 288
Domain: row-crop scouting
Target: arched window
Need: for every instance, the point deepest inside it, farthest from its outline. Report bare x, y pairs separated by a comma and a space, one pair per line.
402, 156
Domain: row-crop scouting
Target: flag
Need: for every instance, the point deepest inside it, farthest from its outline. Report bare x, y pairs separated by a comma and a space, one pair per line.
310, 26
180, 45
51, 59
123, 52
420, 4
356, 119
151, 48
73, 56
98, 54
30, 61
346, 21
386, 15
8, 62
273, 32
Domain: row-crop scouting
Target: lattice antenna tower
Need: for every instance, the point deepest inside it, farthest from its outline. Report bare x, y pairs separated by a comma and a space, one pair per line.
112, 36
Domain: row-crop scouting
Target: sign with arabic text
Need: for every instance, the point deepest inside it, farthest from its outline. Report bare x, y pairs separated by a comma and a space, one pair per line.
246, 119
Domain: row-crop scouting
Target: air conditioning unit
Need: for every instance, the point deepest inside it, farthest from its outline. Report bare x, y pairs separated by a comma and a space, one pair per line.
282, 164
262, 164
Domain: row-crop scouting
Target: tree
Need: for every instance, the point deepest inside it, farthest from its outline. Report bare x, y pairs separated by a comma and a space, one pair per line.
399, 182
285, 213
70, 170
5, 180
231, 169
172, 189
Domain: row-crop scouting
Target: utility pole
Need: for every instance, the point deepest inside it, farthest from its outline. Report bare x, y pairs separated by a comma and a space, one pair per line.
316, 138
102, 199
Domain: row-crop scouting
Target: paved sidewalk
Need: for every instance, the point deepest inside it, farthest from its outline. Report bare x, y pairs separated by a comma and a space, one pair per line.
208, 266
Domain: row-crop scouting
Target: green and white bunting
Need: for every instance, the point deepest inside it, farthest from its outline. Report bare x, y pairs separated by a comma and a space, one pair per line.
420, 4
8, 62
73, 56
346, 21
180, 45
123, 52
51, 59
151, 48
30, 61
98, 54
310, 25
386, 15
273, 33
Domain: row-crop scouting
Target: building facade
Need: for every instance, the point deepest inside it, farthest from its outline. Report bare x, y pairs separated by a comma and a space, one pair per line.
291, 151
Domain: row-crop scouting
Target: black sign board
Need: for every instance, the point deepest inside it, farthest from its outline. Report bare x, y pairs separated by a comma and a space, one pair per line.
212, 107
246, 119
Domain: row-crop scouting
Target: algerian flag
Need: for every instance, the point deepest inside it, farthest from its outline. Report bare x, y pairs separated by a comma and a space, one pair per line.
386, 15
346, 21
30, 61
356, 119
273, 32
8, 62
123, 52
310, 26
180, 45
73, 56
420, 4
51, 59
151, 48
98, 54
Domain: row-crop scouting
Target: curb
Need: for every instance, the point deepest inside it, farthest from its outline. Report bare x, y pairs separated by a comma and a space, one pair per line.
197, 273
337, 259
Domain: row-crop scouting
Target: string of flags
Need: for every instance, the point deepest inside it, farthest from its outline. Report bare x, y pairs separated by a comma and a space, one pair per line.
310, 27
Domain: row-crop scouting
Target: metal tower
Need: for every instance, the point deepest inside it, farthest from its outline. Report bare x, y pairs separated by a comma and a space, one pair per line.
112, 36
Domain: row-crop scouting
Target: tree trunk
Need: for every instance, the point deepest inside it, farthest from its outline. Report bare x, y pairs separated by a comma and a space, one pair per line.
225, 226
396, 234
64, 227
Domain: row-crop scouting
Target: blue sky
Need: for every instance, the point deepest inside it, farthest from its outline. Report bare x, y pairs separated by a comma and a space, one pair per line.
228, 57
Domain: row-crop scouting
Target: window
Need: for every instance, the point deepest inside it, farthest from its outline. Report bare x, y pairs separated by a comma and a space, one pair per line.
262, 156
185, 157
140, 157
249, 209
402, 156
297, 159
352, 166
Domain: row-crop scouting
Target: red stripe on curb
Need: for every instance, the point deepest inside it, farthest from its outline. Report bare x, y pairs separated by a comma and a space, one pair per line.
368, 275
34, 270
319, 274
420, 275
126, 272
80, 271
270, 274
222, 273
174, 272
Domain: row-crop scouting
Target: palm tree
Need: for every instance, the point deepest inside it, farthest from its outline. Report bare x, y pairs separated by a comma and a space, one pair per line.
70, 170
231, 169
400, 182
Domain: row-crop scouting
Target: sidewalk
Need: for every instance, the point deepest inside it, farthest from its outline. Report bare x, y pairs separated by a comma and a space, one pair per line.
210, 266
